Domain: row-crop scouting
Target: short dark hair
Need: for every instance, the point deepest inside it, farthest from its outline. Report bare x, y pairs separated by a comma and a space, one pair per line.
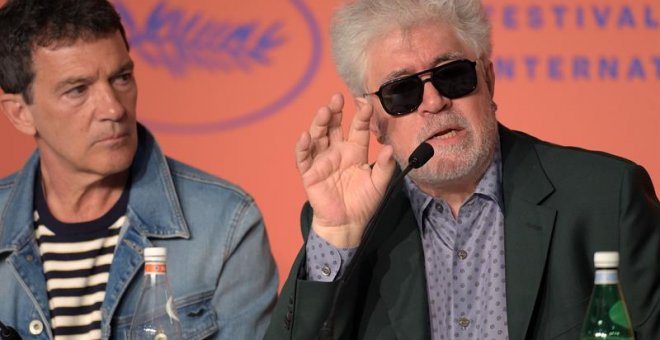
28, 24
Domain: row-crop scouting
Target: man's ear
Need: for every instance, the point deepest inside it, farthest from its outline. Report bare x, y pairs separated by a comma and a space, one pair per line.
19, 115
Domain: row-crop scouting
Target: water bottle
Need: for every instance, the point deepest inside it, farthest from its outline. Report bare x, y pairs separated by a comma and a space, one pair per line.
607, 316
155, 316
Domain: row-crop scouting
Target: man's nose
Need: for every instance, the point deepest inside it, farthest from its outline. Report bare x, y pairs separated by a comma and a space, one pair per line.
108, 105
432, 100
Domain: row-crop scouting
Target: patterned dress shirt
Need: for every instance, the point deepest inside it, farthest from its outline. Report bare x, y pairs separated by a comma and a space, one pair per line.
464, 260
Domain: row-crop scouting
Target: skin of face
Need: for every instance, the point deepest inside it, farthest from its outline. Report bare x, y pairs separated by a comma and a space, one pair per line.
462, 131
83, 115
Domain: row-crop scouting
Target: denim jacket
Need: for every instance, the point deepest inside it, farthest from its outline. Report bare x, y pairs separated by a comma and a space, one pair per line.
220, 266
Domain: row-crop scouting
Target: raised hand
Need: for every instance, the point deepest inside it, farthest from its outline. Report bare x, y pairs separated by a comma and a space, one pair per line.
340, 185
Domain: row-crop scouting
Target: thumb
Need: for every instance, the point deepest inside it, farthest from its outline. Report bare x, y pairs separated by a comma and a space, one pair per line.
383, 169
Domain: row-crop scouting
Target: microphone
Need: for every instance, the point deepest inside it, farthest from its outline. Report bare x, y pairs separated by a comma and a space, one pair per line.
417, 159
420, 156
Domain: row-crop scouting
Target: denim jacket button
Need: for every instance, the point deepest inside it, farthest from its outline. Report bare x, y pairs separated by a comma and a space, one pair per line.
36, 327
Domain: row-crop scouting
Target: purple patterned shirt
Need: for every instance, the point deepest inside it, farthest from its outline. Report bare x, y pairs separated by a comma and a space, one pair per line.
464, 260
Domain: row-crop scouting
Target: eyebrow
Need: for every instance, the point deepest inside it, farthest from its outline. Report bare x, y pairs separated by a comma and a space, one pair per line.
72, 81
438, 60
128, 66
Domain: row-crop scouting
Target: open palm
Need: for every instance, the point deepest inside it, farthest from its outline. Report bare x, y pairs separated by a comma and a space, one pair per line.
340, 185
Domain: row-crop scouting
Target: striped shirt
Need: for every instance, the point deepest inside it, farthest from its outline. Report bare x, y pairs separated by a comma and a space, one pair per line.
76, 260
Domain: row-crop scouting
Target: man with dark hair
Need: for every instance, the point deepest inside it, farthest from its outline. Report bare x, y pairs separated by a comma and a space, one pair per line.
98, 190
493, 238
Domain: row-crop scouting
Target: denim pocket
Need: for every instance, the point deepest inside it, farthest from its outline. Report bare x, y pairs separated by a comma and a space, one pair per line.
198, 318
196, 313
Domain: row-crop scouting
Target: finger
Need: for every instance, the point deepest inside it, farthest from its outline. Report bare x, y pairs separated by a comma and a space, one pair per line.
326, 125
304, 152
383, 169
318, 130
327, 117
336, 107
359, 130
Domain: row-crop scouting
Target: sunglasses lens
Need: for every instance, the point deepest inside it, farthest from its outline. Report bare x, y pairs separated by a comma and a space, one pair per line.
455, 79
402, 96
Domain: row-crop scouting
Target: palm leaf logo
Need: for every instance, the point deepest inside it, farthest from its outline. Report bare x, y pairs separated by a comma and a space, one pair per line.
179, 41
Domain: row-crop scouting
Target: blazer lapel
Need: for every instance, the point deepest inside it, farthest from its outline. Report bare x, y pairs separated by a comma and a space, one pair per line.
401, 267
527, 226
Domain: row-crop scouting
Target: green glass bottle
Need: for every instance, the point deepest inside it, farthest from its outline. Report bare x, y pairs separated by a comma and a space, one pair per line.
607, 316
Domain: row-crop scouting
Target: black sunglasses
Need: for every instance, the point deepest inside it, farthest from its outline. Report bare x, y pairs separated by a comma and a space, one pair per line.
404, 95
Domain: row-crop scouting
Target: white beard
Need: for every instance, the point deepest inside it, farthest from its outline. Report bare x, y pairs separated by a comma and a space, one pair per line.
454, 162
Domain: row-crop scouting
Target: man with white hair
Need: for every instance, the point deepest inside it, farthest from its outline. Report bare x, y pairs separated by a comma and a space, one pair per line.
493, 238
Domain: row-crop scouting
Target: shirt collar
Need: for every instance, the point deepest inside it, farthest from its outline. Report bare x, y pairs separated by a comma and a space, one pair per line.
489, 186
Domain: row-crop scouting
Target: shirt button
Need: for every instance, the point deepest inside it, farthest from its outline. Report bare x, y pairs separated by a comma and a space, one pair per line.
462, 254
463, 322
288, 319
325, 270
29, 257
36, 327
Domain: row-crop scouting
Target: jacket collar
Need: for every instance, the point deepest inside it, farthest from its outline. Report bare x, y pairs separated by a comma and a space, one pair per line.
16, 221
153, 206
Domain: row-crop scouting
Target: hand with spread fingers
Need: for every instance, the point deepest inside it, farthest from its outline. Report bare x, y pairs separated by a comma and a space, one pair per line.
341, 187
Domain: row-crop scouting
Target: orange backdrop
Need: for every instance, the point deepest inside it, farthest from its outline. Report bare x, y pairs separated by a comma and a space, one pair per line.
228, 86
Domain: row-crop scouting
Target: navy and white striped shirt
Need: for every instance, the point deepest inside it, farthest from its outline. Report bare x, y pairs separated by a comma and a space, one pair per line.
76, 259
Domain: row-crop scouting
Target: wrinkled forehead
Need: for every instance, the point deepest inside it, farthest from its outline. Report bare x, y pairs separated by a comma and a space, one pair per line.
81, 46
65, 38
59, 64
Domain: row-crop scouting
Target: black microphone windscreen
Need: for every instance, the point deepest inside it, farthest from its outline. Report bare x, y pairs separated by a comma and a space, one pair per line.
420, 156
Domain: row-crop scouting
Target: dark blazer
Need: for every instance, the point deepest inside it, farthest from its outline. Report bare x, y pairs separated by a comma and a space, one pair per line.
560, 206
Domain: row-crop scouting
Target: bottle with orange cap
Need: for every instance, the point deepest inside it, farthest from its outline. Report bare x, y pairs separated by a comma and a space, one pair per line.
155, 315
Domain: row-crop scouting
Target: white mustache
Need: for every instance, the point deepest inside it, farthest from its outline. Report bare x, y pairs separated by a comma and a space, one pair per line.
439, 122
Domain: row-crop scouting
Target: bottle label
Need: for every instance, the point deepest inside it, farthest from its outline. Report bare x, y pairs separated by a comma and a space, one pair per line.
606, 277
155, 268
